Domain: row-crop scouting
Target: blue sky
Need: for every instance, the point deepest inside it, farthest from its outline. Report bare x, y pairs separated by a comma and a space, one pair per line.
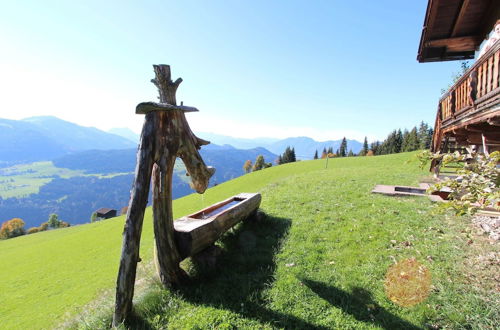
254, 68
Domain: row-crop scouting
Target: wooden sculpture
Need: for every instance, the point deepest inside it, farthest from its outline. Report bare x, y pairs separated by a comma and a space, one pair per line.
165, 136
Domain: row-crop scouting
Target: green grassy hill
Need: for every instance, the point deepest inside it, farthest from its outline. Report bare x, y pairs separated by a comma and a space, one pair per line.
317, 261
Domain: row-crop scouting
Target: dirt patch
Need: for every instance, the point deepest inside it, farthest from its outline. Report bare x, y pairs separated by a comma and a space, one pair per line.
483, 264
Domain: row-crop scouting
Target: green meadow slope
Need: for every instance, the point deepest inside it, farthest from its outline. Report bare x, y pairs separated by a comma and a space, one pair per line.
317, 261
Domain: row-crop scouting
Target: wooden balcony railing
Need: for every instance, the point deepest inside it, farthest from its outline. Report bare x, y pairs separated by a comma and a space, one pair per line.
475, 87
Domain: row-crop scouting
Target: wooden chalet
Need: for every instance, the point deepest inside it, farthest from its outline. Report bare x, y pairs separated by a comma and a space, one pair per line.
105, 213
468, 114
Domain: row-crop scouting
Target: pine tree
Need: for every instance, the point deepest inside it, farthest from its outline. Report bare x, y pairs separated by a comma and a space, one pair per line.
405, 140
412, 143
424, 136
398, 142
364, 151
330, 150
430, 133
288, 156
350, 154
343, 148
316, 155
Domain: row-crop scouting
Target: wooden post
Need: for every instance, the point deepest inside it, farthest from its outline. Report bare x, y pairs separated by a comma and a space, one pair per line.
485, 146
165, 136
133, 223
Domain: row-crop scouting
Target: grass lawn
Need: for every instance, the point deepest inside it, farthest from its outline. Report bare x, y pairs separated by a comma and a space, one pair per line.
318, 260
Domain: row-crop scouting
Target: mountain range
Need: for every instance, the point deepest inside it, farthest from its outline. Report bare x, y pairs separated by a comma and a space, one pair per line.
44, 138
48, 165
101, 166
304, 146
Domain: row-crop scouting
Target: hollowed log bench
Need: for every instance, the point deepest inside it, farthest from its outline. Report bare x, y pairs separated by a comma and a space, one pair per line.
199, 231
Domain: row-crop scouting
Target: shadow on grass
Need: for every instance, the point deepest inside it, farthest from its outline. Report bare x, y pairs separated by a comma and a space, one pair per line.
244, 270
356, 304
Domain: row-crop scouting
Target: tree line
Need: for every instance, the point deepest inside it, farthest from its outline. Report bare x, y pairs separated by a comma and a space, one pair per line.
402, 141
418, 138
15, 227
340, 152
288, 156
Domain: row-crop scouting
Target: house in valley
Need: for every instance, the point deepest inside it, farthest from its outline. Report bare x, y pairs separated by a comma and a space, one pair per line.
105, 213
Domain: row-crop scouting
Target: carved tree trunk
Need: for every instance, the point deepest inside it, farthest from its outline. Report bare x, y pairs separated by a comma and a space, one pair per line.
165, 136
133, 224
167, 139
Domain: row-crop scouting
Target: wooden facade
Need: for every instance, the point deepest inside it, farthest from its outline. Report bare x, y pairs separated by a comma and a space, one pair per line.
454, 29
468, 113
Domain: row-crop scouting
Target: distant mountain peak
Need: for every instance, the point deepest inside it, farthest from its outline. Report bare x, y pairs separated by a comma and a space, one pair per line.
46, 137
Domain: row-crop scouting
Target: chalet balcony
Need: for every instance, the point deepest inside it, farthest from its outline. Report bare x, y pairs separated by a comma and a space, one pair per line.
469, 112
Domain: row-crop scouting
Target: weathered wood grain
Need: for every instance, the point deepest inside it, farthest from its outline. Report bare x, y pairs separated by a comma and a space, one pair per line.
193, 233
133, 224
166, 135
145, 107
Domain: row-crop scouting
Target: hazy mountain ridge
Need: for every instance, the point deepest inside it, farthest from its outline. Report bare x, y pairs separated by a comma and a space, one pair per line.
304, 146
45, 138
126, 133
75, 198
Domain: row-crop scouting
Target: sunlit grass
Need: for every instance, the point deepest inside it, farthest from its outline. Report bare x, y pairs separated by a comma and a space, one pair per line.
318, 260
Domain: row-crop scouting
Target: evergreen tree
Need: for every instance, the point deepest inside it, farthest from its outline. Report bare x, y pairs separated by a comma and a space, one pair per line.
374, 147
364, 151
424, 136
330, 150
343, 148
388, 146
430, 133
316, 155
398, 142
405, 140
350, 154
412, 142
288, 156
